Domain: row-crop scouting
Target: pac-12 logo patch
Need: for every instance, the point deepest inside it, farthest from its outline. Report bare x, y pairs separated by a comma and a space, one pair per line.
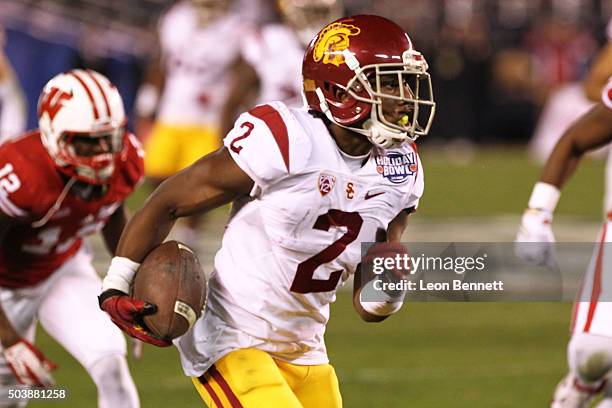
326, 183
397, 167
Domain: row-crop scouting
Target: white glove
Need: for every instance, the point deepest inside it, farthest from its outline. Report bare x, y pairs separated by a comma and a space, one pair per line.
29, 365
534, 240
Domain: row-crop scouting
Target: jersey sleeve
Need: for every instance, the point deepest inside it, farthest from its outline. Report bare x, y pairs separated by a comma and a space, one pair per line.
132, 162
19, 185
416, 192
268, 144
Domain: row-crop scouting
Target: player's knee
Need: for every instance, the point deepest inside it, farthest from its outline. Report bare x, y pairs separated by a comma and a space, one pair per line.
594, 366
591, 360
114, 382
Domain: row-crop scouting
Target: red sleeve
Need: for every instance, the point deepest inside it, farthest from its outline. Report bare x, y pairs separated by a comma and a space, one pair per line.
19, 184
132, 163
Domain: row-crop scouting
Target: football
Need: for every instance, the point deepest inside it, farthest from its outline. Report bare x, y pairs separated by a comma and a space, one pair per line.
171, 278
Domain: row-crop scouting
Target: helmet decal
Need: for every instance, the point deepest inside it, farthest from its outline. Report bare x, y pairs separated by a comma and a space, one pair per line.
386, 93
51, 102
82, 124
332, 40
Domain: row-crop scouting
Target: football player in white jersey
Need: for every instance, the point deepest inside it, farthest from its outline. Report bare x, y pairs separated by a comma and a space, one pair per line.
187, 86
322, 179
595, 80
590, 348
270, 66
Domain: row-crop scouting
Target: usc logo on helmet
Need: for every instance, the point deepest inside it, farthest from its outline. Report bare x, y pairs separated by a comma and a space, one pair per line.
332, 40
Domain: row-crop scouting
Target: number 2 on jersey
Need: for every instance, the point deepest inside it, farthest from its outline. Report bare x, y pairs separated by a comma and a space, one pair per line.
303, 281
249, 126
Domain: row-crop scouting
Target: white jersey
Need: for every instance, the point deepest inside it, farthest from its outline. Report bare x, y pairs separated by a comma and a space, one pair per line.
593, 308
286, 252
276, 54
606, 97
197, 61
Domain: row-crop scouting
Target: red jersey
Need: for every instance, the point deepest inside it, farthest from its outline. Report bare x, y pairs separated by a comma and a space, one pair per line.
30, 185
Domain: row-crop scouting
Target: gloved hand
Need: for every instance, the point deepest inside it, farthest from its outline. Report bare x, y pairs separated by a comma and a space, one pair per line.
29, 365
534, 239
127, 313
373, 262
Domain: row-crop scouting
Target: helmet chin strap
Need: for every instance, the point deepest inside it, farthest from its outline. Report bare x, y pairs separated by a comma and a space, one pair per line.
377, 134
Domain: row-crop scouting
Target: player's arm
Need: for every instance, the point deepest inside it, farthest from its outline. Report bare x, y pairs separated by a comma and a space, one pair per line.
599, 73
590, 131
390, 245
27, 363
113, 228
210, 182
243, 92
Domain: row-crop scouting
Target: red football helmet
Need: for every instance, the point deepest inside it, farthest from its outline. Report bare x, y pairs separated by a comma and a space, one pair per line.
347, 70
82, 124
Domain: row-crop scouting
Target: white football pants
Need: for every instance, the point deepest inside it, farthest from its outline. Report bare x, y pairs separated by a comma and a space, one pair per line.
66, 305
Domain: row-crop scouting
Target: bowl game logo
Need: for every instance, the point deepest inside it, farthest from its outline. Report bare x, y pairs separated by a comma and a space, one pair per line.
326, 183
396, 167
332, 40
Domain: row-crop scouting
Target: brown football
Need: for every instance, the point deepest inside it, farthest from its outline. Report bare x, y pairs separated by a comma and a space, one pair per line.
171, 278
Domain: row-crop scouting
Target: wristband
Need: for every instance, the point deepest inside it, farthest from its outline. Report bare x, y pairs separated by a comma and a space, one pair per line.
120, 274
544, 197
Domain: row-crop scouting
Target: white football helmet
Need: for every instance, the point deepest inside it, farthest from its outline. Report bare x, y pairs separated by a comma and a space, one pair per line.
77, 110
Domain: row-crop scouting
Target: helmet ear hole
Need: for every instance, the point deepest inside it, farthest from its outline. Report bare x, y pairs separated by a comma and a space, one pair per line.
337, 93
340, 94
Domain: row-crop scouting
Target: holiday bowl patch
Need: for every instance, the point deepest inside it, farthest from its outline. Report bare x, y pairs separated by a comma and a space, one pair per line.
397, 167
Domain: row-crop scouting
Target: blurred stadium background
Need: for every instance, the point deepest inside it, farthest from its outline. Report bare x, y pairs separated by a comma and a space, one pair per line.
495, 65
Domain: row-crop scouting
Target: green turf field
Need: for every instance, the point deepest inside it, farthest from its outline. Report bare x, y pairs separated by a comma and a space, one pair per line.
499, 182
430, 354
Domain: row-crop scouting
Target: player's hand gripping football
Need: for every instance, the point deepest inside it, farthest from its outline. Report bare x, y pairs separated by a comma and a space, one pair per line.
125, 311
401, 269
29, 365
534, 240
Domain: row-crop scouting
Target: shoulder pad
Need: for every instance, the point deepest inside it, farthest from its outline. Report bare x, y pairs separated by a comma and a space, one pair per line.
22, 186
268, 143
131, 161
